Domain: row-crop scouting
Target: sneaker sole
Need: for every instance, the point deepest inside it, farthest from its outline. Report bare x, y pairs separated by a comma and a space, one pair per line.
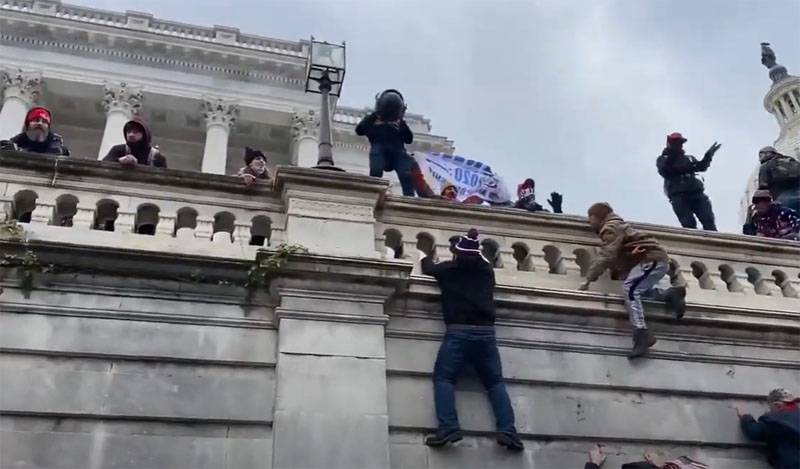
450, 439
509, 445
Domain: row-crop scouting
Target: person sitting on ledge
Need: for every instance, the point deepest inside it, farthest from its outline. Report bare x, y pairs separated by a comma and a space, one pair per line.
769, 219
526, 198
779, 429
255, 166
37, 136
137, 149
597, 457
642, 259
467, 283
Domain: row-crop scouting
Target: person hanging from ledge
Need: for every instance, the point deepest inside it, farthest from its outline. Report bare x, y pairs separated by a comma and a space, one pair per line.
597, 457
683, 187
388, 134
467, 283
255, 166
642, 260
137, 149
779, 429
38, 136
769, 219
526, 198
780, 174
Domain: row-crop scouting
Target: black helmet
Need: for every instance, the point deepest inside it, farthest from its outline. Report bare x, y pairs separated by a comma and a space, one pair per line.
390, 105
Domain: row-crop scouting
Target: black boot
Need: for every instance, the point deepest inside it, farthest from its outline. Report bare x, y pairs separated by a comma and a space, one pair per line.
675, 298
510, 441
643, 339
442, 437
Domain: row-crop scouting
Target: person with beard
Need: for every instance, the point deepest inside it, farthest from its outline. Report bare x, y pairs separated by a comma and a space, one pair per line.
526, 198
137, 149
779, 429
642, 260
255, 166
683, 188
38, 137
467, 283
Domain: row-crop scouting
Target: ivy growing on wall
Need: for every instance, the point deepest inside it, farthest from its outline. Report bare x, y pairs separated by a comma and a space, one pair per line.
25, 264
261, 274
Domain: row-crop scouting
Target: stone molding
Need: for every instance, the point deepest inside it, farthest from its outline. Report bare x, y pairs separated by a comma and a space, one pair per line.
305, 124
218, 111
122, 97
334, 210
23, 85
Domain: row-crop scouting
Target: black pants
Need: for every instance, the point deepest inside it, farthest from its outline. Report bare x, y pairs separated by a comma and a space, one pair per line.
386, 158
689, 204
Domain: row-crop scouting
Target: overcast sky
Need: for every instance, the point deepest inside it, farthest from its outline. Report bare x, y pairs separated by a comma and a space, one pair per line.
578, 94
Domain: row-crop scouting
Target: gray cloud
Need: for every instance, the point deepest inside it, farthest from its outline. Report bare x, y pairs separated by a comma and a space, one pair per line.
577, 94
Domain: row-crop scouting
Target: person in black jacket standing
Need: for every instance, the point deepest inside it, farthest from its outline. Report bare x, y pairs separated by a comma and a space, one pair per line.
681, 184
467, 284
388, 134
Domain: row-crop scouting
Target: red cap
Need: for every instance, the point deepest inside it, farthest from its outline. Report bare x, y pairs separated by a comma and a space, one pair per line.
36, 113
675, 136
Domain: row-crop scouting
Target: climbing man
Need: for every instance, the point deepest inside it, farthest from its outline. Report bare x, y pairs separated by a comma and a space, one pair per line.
467, 284
779, 429
643, 260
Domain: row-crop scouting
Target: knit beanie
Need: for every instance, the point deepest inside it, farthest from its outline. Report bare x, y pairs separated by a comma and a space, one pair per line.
600, 210
251, 154
766, 153
468, 244
781, 395
36, 113
527, 188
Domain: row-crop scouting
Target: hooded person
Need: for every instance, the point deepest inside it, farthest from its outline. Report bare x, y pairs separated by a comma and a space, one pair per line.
684, 189
780, 174
779, 429
769, 219
37, 136
255, 166
467, 283
526, 198
138, 148
642, 261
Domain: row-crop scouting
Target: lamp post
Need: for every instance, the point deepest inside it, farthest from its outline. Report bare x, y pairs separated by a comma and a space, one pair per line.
325, 75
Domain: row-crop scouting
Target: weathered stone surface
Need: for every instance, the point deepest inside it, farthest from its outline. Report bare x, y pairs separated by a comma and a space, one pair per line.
331, 338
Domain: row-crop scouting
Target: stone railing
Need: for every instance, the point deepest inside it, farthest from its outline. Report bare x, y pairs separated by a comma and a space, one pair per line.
88, 202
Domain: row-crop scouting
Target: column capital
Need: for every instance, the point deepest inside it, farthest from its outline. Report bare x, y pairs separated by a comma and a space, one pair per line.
23, 85
305, 123
122, 97
218, 111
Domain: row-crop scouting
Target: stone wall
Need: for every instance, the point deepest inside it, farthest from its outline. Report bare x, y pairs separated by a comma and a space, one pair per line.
148, 351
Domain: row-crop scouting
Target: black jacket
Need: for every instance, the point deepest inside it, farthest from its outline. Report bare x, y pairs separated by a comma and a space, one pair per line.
144, 152
678, 170
467, 285
780, 430
393, 135
52, 145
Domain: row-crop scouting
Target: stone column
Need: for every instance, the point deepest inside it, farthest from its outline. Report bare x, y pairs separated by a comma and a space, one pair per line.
305, 138
121, 102
21, 91
220, 116
331, 407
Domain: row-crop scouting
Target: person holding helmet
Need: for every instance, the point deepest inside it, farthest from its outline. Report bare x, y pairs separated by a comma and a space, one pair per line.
684, 189
388, 134
37, 136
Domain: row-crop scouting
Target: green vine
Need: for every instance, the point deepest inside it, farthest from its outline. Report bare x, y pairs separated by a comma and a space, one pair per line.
261, 274
26, 263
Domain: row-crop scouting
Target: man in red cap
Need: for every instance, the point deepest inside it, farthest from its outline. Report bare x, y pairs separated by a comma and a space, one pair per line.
681, 184
37, 136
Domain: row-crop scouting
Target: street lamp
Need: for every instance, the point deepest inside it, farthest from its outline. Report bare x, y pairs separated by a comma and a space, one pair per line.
325, 68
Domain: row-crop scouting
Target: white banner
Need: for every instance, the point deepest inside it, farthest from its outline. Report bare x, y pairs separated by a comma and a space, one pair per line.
470, 177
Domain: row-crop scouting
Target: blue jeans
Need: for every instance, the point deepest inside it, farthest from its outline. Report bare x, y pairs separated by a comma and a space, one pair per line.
386, 158
474, 345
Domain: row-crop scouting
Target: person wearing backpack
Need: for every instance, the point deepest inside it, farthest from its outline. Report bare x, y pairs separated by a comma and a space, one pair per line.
137, 149
780, 174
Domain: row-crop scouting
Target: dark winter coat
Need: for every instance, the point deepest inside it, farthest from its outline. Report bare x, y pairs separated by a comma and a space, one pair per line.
52, 145
779, 174
679, 171
144, 152
623, 247
392, 135
467, 285
780, 430
529, 203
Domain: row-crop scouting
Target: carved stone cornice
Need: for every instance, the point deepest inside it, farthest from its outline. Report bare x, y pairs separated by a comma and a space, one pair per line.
25, 86
217, 111
122, 97
305, 124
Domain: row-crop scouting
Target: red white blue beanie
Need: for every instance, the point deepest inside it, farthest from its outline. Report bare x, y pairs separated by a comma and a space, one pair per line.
468, 244
526, 189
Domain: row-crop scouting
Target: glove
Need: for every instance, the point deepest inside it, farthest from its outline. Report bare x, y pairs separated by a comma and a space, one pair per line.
710, 152
555, 201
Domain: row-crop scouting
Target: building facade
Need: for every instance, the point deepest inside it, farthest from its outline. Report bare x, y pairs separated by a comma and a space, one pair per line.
209, 343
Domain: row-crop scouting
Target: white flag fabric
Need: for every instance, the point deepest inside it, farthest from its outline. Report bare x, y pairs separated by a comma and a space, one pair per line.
470, 177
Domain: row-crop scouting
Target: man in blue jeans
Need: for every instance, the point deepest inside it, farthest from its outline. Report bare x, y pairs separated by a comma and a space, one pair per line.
467, 285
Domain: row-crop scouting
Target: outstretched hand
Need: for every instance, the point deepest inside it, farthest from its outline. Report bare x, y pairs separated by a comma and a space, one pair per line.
597, 456
712, 149
555, 201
